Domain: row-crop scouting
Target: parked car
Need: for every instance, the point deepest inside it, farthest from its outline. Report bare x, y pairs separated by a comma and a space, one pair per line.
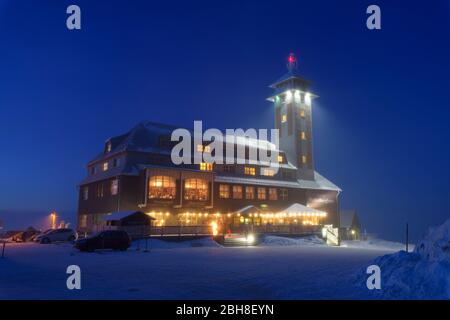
26, 235
56, 235
111, 239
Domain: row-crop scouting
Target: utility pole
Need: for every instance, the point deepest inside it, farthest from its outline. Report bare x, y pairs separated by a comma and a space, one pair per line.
407, 236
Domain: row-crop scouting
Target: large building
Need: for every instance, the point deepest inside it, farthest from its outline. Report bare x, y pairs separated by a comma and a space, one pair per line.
135, 172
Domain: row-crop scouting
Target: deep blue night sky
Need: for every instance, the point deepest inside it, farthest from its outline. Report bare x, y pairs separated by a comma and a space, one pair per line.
381, 124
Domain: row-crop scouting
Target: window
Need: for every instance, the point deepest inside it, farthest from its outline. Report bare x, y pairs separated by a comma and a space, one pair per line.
206, 166
85, 193
105, 166
283, 118
202, 148
302, 113
303, 135
268, 172
304, 159
224, 191
196, 189
280, 159
116, 162
100, 190
250, 171
249, 193
83, 220
228, 168
114, 187
273, 194
161, 187
261, 193
237, 192
108, 147
93, 170
287, 175
284, 194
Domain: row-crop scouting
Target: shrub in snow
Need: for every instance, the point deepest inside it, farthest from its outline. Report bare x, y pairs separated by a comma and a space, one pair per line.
422, 274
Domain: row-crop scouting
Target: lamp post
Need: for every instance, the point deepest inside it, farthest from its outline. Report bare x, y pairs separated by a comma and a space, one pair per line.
53, 217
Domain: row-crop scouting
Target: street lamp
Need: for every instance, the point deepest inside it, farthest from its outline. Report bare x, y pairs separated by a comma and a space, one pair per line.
53, 217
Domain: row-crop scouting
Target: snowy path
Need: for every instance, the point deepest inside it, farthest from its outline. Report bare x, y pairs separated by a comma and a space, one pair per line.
285, 272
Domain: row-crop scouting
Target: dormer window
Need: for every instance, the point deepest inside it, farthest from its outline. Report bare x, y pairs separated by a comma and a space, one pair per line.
93, 170
108, 147
105, 166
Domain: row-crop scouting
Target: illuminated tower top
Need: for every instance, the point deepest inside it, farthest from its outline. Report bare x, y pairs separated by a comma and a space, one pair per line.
292, 99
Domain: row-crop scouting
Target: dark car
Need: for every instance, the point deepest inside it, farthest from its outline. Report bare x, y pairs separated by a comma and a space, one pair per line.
112, 239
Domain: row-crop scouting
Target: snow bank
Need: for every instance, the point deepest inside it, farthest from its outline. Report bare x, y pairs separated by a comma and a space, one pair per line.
422, 274
273, 241
172, 244
375, 244
435, 246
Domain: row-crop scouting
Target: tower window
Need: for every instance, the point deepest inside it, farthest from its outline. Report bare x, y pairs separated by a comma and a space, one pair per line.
283, 118
249, 193
304, 160
237, 192
250, 171
303, 135
204, 166
224, 191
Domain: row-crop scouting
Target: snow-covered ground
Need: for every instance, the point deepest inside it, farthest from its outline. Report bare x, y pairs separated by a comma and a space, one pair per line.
198, 269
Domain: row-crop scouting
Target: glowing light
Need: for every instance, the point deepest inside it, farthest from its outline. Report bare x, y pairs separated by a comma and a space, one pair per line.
288, 96
308, 99
250, 238
297, 96
214, 228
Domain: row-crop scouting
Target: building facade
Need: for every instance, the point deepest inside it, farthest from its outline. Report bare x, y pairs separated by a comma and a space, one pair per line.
135, 172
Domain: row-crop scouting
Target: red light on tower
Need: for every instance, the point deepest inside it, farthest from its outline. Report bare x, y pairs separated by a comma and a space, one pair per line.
292, 62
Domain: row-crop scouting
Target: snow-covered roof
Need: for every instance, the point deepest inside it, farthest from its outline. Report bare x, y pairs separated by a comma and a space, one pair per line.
115, 216
346, 218
320, 183
248, 209
299, 208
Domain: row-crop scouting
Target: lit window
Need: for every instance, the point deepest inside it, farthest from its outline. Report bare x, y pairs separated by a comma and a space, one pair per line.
268, 172
273, 194
261, 193
283, 118
250, 171
108, 147
114, 187
302, 113
161, 187
201, 148
224, 191
249, 193
284, 194
206, 166
237, 192
85, 193
303, 135
105, 166
304, 159
280, 159
196, 189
